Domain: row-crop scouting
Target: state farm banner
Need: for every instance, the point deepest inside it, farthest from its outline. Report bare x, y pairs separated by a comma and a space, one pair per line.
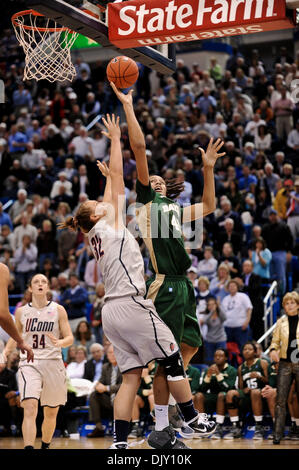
138, 23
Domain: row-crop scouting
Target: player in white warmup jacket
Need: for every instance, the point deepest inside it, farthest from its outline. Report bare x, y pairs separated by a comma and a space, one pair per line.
44, 325
130, 322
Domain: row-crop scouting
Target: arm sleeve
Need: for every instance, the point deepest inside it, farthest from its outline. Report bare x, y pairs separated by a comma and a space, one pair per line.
145, 194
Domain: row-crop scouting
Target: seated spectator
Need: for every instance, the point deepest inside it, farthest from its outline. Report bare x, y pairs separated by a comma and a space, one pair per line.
293, 138
263, 138
293, 211
24, 229
75, 369
238, 308
49, 270
215, 383
6, 239
96, 313
230, 260
261, 258
218, 285
252, 377
62, 182
83, 336
271, 177
101, 400
248, 181
71, 354
226, 207
25, 262
46, 244
5, 218
208, 266
192, 275
93, 367
74, 301
92, 274
229, 235
282, 199
202, 293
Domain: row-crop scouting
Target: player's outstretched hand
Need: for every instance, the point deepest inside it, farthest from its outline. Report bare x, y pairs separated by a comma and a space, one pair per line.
26, 348
102, 166
211, 155
124, 99
112, 126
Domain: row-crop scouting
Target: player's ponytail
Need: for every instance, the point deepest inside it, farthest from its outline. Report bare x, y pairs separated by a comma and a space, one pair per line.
70, 222
81, 220
173, 188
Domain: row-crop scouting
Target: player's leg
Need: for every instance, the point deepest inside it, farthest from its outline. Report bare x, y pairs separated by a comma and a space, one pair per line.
123, 406
220, 415
30, 407
284, 380
271, 407
137, 406
49, 425
232, 405
199, 402
257, 409
293, 410
187, 353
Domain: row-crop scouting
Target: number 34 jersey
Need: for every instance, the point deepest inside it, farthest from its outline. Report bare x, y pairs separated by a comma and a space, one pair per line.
36, 323
120, 260
252, 382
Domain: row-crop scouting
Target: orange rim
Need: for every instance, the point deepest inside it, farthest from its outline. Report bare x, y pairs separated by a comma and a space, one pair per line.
15, 18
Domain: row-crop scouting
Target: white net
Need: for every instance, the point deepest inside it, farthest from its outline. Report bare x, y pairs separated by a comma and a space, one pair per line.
47, 47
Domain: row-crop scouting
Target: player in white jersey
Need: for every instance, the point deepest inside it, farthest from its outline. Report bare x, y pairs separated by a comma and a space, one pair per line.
6, 321
130, 322
44, 325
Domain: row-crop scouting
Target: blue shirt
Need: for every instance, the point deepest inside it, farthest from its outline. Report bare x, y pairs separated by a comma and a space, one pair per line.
5, 220
263, 271
245, 182
98, 369
19, 138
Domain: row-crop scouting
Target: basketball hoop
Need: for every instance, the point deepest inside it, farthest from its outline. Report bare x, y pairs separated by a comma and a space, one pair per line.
47, 46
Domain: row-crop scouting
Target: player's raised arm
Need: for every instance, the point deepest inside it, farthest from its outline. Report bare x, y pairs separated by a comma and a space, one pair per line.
207, 206
102, 166
136, 136
116, 163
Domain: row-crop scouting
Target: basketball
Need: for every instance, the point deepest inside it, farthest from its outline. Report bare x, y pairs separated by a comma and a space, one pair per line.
122, 71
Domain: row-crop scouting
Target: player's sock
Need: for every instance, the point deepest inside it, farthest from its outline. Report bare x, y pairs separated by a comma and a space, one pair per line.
188, 411
45, 445
234, 419
171, 400
219, 419
120, 430
161, 415
28, 447
258, 419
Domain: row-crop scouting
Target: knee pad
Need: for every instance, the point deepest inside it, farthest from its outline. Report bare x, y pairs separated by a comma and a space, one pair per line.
234, 403
174, 368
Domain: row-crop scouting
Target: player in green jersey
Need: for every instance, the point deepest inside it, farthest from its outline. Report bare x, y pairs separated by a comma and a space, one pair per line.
160, 220
169, 288
252, 376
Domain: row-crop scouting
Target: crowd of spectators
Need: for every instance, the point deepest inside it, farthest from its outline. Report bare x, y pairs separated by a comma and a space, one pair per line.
48, 167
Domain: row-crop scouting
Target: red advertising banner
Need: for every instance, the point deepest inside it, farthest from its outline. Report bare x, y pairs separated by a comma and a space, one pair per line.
138, 23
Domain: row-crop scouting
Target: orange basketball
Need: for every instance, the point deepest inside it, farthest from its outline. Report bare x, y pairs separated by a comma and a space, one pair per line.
123, 71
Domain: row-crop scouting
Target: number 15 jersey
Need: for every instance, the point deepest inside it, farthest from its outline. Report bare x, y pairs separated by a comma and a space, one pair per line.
36, 323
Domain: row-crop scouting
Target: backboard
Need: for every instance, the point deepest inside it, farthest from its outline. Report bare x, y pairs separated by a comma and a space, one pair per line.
161, 59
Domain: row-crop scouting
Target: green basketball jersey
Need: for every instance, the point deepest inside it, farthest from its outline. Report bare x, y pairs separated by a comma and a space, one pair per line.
159, 220
248, 381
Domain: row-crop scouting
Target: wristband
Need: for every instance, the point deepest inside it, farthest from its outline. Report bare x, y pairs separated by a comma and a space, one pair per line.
17, 393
